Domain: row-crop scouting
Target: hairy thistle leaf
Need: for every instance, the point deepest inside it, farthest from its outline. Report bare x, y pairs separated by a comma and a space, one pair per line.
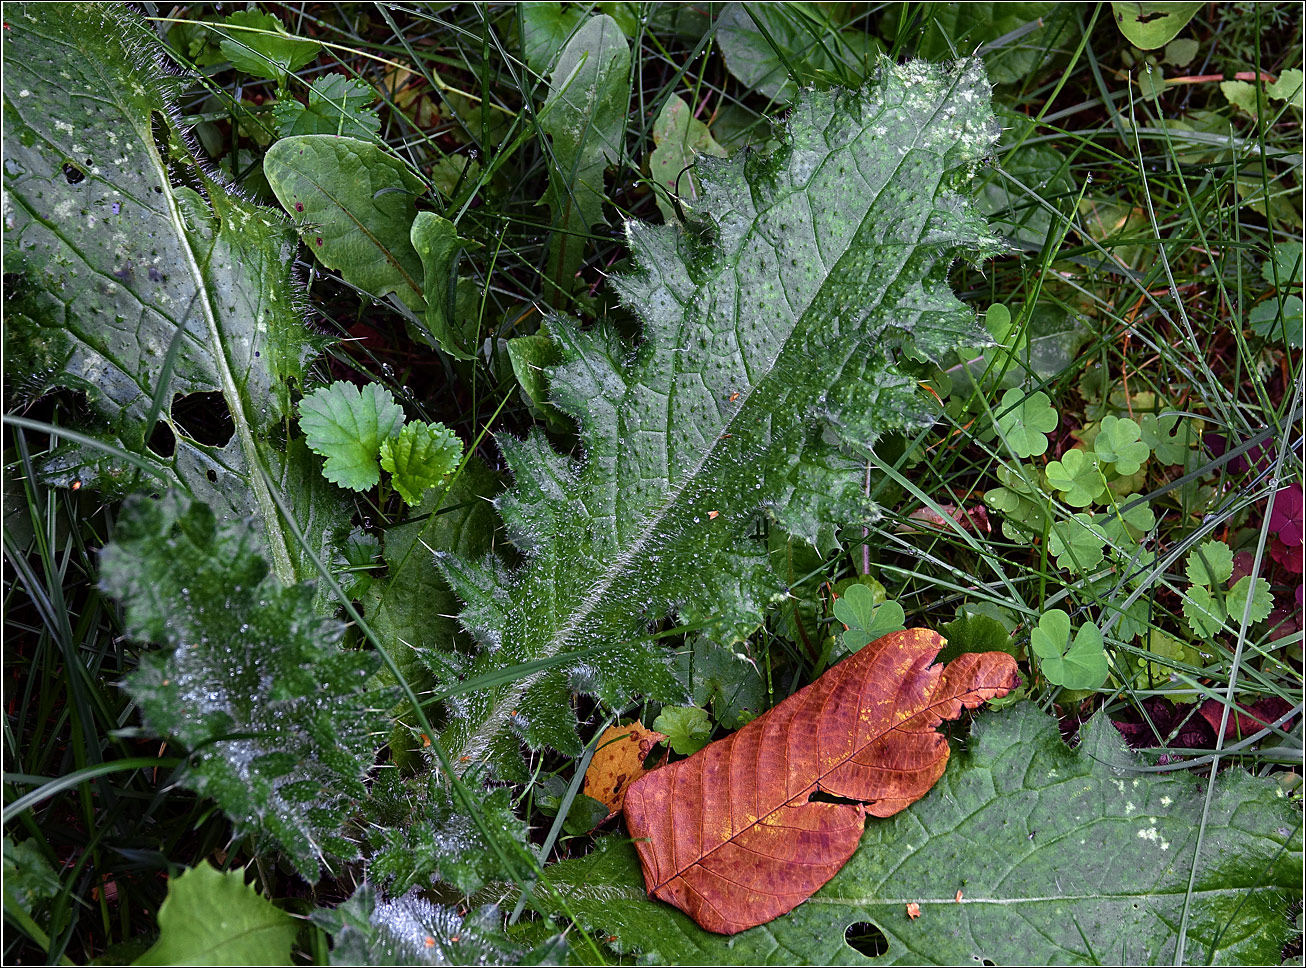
283, 725
771, 331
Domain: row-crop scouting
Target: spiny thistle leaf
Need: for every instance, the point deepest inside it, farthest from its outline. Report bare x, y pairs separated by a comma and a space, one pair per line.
283, 725
140, 277
767, 364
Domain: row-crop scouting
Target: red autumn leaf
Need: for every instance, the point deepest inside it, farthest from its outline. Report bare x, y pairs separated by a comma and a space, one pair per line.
731, 835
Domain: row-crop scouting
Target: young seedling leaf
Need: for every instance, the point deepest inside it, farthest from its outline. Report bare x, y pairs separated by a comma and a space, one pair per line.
718, 833
1078, 477
1024, 421
263, 48
687, 728
1018, 792
1119, 442
337, 105
214, 918
420, 456
347, 426
1077, 664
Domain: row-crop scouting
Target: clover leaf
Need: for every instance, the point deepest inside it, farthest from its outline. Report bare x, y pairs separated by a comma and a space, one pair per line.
866, 622
1077, 664
1169, 436
1077, 542
1119, 442
1023, 421
347, 426
421, 456
1078, 477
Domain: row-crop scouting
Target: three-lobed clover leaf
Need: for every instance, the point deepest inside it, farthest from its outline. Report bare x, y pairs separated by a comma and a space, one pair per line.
1024, 421
1078, 477
1169, 436
1080, 663
1119, 442
421, 455
1077, 542
866, 621
347, 426
688, 728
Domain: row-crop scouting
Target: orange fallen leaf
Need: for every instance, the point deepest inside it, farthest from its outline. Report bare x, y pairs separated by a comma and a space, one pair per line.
731, 835
618, 762
913, 910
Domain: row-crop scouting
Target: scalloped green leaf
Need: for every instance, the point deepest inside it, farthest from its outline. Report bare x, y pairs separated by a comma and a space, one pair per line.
688, 728
766, 367
1062, 856
126, 283
419, 457
1210, 563
337, 105
211, 917
263, 48
1205, 612
1024, 421
1236, 600
347, 426
282, 722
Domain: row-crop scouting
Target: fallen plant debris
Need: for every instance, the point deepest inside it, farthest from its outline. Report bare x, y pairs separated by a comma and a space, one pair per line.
619, 761
735, 836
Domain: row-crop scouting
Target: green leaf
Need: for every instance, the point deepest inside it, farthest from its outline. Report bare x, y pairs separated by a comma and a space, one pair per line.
1181, 52
1077, 542
28, 876
585, 118
1290, 87
1211, 563
1015, 815
1024, 506
421, 456
347, 426
353, 204
764, 370
214, 918
975, 632
1284, 267
1024, 421
203, 277
337, 105
546, 27
1119, 442
1078, 477
1243, 96
1169, 436
1283, 321
410, 930
1236, 600
1078, 664
679, 138
250, 677
264, 49
865, 620
437, 243
774, 48
1204, 612
726, 680
1151, 24
531, 357
687, 728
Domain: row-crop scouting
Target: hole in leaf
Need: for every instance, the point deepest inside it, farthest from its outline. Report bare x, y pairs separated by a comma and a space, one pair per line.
73, 175
212, 475
162, 441
866, 938
204, 418
820, 796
